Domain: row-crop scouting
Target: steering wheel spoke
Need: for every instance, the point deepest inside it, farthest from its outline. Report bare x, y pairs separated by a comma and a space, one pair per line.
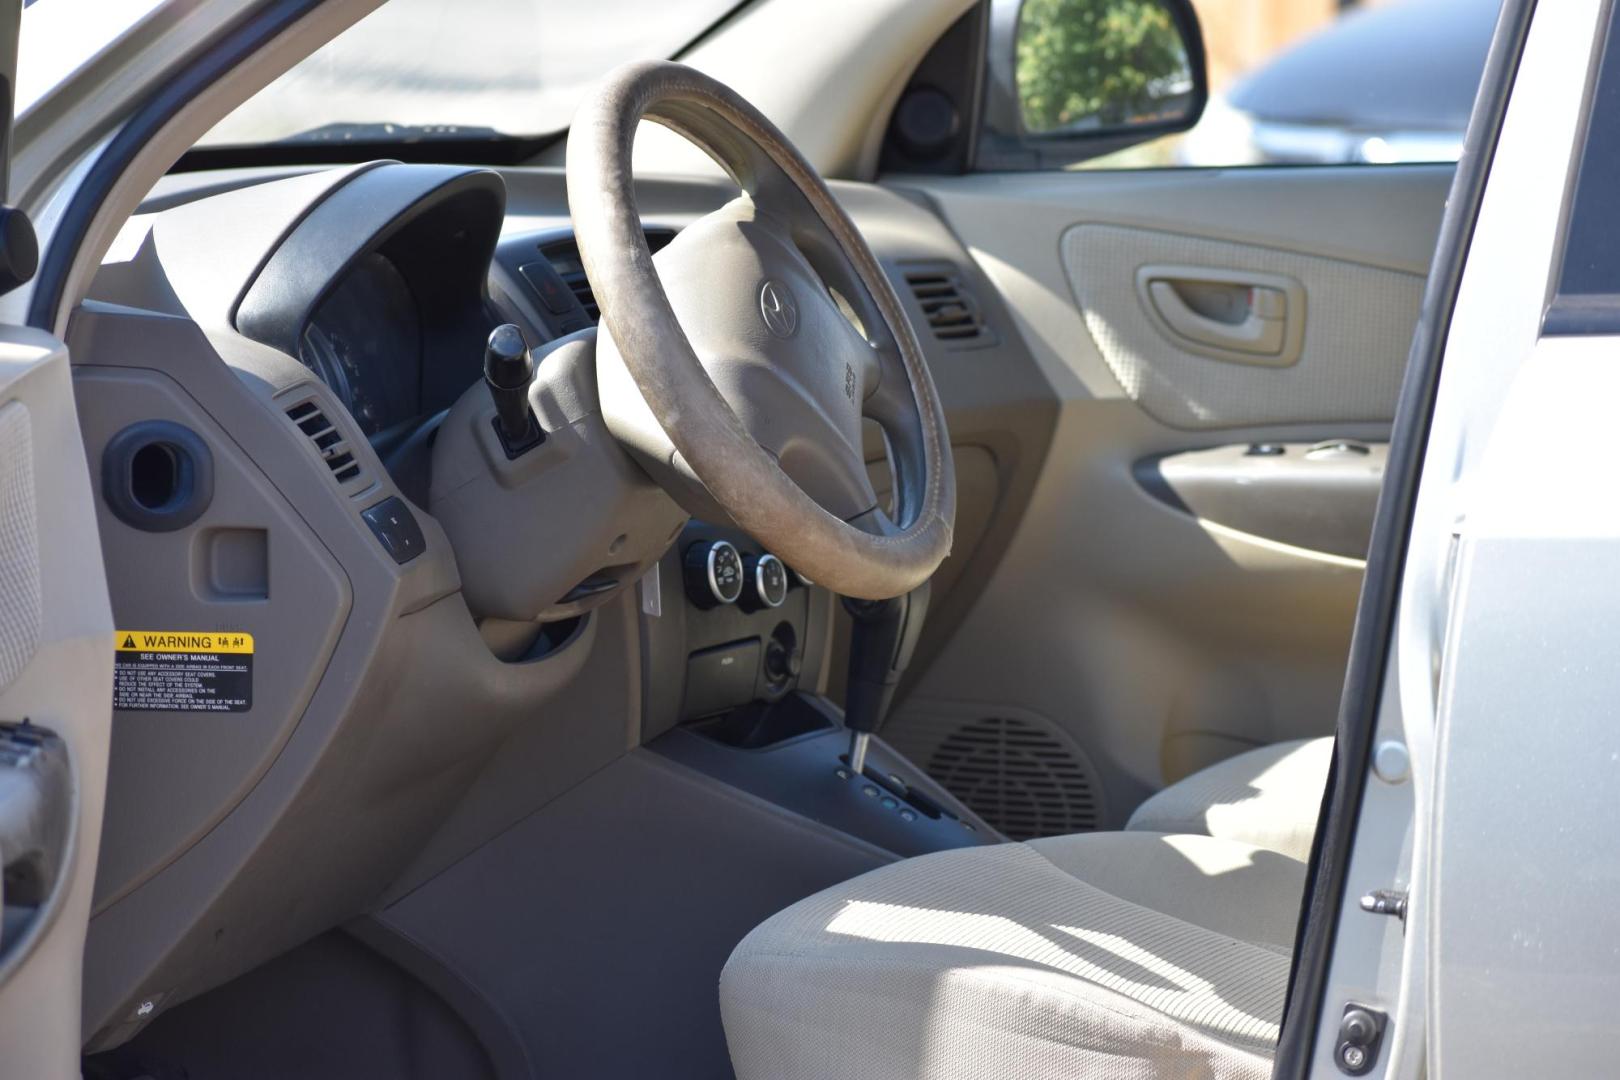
889, 399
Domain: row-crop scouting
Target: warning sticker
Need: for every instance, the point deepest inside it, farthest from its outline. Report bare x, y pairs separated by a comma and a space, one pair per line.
183, 671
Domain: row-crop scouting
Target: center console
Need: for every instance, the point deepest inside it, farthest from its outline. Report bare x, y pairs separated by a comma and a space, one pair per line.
737, 648
737, 654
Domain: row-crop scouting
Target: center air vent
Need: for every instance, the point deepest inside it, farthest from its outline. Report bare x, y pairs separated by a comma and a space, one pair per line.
329, 443
564, 258
563, 255
953, 314
1018, 776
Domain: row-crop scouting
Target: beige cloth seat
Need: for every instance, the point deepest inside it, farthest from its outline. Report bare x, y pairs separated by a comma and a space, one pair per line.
1270, 797
1119, 955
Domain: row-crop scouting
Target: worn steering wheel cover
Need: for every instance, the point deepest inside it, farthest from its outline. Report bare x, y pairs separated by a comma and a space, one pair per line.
740, 475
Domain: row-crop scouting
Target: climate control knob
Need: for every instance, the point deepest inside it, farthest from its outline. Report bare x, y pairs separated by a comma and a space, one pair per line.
714, 573
765, 582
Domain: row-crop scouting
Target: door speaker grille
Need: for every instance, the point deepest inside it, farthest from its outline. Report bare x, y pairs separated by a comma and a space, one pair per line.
1017, 776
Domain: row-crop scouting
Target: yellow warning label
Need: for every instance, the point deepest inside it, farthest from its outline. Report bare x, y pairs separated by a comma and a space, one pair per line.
184, 641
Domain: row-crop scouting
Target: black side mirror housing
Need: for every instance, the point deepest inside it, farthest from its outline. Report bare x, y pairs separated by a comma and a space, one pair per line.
1069, 80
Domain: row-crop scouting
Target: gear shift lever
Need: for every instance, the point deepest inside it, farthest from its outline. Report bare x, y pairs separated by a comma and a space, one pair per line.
508, 370
880, 646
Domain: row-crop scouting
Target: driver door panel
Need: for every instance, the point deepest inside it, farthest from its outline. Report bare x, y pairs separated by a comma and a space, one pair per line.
56, 653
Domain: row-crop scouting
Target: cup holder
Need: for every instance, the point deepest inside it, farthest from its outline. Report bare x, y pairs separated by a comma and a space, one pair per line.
157, 476
761, 724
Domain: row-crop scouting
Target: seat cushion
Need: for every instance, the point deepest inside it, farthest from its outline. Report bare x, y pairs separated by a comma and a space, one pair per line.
1269, 797
1096, 955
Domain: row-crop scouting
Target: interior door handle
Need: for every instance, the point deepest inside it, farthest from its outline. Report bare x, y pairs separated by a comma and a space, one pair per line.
1250, 331
1226, 314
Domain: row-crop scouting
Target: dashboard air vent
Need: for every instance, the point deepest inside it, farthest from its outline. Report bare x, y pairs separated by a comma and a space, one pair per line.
563, 256
952, 312
329, 442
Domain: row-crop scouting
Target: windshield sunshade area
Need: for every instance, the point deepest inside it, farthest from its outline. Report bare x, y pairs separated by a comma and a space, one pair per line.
422, 69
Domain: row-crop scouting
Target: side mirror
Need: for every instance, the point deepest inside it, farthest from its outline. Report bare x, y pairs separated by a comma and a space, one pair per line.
1076, 79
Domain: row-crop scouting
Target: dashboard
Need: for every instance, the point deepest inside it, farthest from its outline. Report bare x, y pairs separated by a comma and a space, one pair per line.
321, 334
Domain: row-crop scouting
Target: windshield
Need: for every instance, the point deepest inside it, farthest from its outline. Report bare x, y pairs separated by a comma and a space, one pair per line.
430, 69
59, 36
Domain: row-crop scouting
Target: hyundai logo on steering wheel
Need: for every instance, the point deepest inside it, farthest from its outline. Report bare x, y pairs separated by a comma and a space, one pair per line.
777, 306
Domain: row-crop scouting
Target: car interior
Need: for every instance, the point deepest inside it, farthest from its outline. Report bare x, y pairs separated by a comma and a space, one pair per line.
771, 584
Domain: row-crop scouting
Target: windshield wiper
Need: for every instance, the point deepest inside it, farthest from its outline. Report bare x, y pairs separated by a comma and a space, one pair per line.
388, 132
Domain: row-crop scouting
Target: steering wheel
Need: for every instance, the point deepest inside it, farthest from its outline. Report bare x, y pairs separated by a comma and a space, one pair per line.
737, 365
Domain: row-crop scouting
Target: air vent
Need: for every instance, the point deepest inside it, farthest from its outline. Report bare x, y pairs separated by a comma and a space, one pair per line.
329, 442
1018, 776
952, 312
564, 258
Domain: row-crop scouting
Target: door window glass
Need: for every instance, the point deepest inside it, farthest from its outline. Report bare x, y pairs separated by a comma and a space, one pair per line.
1329, 82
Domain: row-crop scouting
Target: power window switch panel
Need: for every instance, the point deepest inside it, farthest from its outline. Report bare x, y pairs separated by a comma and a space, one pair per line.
395, 527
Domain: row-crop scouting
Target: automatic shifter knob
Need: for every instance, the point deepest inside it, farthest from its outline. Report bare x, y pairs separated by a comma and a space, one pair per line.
508, 370
883, 636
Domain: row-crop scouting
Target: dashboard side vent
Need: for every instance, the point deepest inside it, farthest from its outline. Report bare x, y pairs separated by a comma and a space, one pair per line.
563, 255
1017, 775
328, 441
952, 312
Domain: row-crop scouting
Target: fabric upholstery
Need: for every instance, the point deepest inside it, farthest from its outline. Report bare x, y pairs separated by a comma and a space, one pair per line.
1014, 961
1169, 877
21, 610
1270, 797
